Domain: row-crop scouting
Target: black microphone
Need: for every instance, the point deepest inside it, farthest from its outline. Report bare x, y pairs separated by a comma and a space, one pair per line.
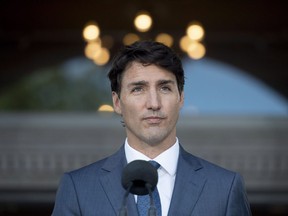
139, 177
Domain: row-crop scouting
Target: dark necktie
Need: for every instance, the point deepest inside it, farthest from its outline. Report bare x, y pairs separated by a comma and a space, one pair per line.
143, 202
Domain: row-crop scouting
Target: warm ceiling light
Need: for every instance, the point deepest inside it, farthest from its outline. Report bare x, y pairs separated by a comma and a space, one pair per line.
103, 58
184, 43
196, 50
91, 32
165, 39
106, 108
93, 49
195, 32
130, 38
143, 22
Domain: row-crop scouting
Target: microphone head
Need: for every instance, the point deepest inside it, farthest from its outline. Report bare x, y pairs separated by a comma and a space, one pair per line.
137, 174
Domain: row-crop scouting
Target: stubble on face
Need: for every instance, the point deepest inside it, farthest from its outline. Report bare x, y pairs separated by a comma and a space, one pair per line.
151, 111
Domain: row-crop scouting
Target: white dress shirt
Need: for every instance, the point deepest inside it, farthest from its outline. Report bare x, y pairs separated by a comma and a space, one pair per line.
166, 173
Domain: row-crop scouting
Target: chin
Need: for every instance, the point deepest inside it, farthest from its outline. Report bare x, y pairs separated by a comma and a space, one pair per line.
154, 140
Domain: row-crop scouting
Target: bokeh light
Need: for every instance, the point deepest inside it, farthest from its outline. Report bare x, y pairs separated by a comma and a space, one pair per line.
195, 31
130, 38
184, 43
143, 22
103, 58
91, 32
93, 49
105, 108
196, 50
165, 39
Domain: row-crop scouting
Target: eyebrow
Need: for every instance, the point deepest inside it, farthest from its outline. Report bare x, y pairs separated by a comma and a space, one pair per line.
163, 82
138, 83
143, 83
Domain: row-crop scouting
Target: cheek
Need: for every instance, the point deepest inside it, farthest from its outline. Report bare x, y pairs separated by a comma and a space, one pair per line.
133, 103
129, 107
174, 110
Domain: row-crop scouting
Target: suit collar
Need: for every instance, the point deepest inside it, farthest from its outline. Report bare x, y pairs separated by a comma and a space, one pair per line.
188, 186
189, 183
111, 182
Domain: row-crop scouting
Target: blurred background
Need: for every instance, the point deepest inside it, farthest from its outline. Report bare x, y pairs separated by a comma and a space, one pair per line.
55, 100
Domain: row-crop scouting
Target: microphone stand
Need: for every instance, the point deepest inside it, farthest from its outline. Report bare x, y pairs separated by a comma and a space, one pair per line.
145, 177
152, 209
123, 210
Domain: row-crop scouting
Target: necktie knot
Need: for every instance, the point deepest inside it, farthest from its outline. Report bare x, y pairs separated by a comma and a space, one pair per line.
155, 164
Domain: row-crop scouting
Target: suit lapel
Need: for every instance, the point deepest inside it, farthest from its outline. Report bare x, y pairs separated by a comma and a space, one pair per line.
188, 186
111, 182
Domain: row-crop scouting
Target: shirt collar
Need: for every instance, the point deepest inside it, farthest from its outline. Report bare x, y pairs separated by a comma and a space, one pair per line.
168, 159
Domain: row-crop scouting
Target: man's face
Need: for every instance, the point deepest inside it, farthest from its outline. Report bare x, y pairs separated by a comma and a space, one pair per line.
149, 104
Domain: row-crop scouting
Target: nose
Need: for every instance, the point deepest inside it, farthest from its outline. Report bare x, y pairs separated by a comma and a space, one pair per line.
153, 100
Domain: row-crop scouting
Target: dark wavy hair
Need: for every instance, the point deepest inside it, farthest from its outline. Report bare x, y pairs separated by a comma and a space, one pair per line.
147, 53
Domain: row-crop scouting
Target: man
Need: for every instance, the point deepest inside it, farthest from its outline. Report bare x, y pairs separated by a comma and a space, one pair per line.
147, 81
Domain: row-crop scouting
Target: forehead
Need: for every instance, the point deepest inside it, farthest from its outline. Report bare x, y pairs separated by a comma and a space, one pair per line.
150, 73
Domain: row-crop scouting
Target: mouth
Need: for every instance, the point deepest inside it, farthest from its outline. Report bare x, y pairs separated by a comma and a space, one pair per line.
153, 119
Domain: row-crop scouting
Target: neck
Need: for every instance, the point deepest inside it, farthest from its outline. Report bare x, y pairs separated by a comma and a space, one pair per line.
151, 150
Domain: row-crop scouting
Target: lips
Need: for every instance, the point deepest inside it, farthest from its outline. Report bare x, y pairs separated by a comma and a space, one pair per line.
153, 119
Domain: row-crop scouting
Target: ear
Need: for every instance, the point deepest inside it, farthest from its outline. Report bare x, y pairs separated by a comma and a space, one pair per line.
181, 99
116, 103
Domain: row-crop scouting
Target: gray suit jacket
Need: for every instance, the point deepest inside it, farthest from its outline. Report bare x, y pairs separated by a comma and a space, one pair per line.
201, 189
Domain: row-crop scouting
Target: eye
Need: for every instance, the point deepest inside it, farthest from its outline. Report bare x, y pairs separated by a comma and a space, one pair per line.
137, 89
165, 89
